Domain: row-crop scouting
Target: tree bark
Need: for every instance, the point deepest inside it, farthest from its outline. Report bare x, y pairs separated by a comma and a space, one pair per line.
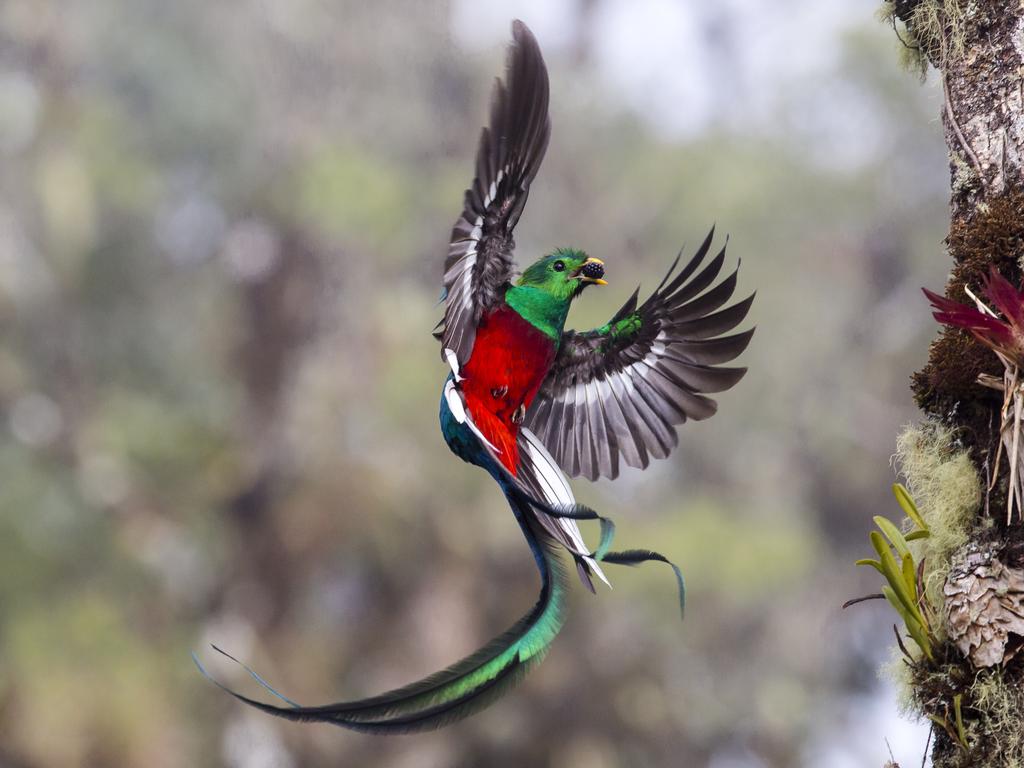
984, 108
977, 48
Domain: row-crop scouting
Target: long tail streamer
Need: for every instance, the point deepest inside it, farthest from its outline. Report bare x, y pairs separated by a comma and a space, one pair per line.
483, 677
460, 690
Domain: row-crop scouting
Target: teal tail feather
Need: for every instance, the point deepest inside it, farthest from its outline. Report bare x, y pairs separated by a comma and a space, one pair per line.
463, 688
630, 557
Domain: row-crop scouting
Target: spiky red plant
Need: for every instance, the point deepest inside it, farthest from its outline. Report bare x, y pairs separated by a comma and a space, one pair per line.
1004, 336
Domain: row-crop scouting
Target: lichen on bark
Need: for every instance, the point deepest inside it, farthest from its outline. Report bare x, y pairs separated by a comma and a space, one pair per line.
930, 30
944, 483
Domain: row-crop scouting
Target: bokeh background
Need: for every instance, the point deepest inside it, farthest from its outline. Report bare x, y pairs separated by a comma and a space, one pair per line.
221, 235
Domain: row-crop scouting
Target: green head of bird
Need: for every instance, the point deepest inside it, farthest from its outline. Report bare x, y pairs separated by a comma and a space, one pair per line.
564, 274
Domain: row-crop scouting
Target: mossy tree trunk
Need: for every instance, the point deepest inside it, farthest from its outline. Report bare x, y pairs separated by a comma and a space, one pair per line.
977, 48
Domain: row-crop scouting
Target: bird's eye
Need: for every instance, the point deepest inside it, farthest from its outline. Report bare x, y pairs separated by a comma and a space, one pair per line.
558, 266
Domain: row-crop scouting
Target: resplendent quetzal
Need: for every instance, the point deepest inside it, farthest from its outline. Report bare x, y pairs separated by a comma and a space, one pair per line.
529, 401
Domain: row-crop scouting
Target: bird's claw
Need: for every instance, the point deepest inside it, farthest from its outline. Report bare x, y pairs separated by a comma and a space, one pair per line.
519, 415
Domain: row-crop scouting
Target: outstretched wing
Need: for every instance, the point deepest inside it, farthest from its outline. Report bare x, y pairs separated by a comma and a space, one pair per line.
479, 263
624, 387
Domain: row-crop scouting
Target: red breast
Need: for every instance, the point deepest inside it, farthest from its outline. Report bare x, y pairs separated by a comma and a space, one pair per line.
509, 362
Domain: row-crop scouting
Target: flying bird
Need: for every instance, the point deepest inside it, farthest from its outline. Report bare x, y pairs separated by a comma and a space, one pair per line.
531, 402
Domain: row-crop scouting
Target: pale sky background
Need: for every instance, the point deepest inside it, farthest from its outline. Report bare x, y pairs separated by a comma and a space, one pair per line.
657, 56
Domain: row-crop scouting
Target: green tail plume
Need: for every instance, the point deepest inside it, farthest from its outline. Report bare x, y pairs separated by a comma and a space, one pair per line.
463, 688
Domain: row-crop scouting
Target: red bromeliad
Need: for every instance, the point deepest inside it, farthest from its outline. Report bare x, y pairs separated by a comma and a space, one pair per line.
1004, 336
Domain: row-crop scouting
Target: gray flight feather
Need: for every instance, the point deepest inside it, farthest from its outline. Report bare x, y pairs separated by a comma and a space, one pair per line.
479, 263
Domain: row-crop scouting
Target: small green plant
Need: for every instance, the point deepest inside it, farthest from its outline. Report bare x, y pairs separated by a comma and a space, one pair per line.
895, 562
955, 730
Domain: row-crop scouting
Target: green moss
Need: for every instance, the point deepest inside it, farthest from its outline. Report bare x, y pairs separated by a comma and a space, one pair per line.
995, 237
992, 704
945, 485
932, 31
999, 705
